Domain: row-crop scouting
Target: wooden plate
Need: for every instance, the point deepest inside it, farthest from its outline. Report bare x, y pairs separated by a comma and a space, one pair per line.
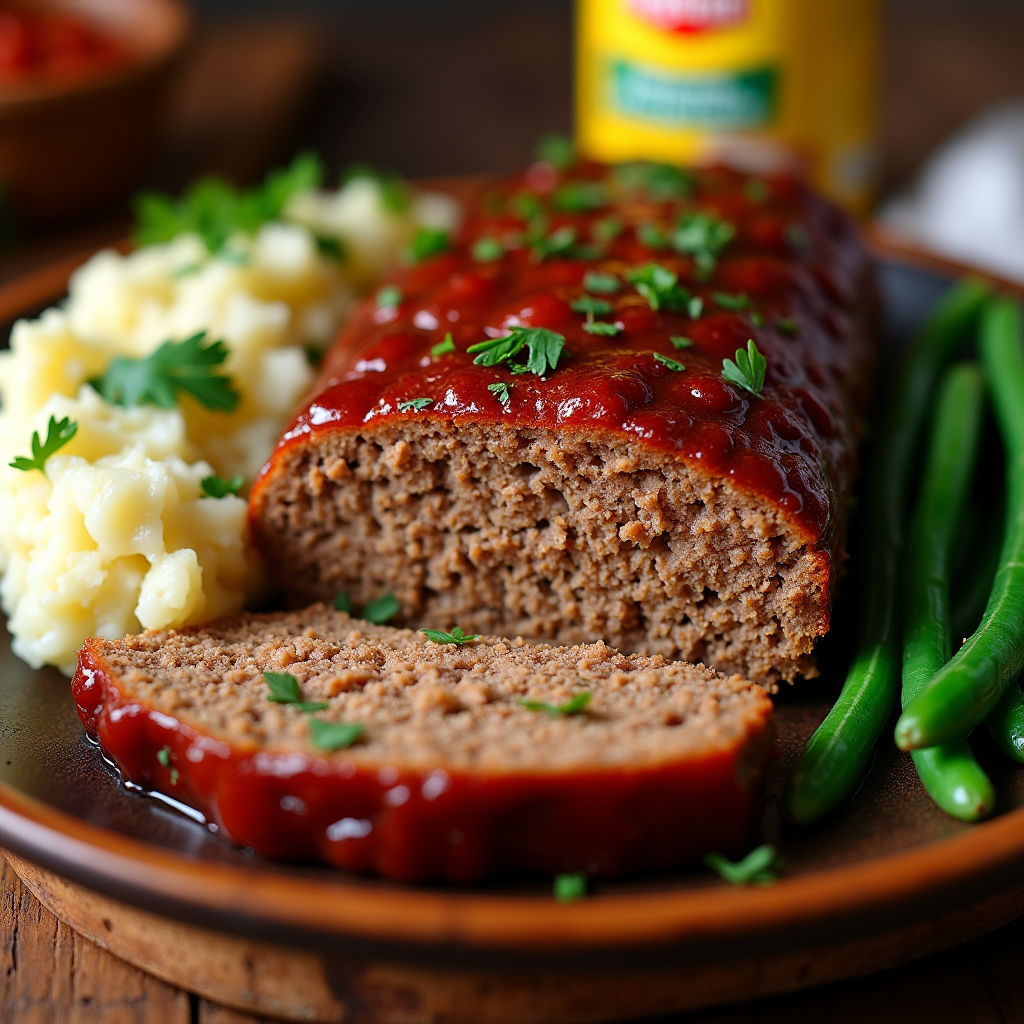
885, 878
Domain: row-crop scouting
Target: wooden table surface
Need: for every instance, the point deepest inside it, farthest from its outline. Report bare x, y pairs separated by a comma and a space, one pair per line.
941, 66
51, 975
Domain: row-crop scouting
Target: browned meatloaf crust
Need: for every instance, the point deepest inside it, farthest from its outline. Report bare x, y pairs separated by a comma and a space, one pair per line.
631, 493
453, 777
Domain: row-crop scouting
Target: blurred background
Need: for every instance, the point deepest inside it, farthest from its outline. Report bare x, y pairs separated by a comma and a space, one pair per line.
436, 87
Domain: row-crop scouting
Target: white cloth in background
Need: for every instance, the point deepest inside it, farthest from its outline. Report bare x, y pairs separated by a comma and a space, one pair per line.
968, 203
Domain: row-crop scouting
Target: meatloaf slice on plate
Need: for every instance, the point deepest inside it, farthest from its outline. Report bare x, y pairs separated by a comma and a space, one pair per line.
384, 751
537, 431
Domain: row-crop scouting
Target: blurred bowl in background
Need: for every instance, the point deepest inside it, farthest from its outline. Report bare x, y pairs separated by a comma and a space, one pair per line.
81, 137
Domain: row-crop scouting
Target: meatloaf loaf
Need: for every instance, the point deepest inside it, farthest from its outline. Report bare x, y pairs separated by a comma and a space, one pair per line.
538, 430
449, 761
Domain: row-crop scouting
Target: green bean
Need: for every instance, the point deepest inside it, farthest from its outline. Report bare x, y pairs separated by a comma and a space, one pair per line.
837, 753
964, 691
949, 772
971, 593
1006, 723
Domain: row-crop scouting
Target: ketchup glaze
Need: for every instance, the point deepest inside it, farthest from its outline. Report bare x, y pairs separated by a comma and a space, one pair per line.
789, 279
416, 825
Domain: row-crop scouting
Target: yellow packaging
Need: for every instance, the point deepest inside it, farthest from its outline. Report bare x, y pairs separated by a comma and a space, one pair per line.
765, 84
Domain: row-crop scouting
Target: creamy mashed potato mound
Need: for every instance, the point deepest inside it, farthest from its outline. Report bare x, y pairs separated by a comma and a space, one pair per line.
118, 534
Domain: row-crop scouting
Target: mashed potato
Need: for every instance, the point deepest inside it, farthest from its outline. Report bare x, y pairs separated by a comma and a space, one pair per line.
118, 535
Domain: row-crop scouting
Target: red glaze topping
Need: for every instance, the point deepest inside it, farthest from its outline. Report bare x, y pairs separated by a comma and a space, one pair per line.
786, 278
419, 825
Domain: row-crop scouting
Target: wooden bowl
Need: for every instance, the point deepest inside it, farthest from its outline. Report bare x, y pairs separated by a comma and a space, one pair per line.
67, 145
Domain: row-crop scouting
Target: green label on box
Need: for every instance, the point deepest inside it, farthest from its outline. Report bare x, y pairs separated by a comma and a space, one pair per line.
746, 99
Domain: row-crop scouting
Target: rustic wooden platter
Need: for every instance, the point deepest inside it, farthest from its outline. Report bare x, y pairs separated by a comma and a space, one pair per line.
884, 879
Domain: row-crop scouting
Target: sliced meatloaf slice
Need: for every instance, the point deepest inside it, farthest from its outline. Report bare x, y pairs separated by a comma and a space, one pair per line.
613, 477
425, 760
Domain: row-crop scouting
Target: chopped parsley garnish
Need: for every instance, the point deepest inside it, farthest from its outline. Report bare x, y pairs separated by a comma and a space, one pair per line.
702, 236
756, 190
759, 867
330, 248
558, 243
557, 150
394, 192
748, 370
215, 210
652, 236
526, 205
545, 348
591, 306
456, 636
695, 307
486, 250
389, 295
797, 238
786, 325
425, 243
174, 776
602, 329
58, 433
570, 887
501, 392
601, 284
733, 302
588, 304
672, 364
574, 706
606, 229
415, 404
163, 755
186, 366
218, 487
657, 182
334, 735
442, 348
381, 609
284, 689
678, 341
660, 287
377, 611
580, 196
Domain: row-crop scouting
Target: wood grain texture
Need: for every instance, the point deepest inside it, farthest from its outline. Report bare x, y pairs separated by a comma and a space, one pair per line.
48, 975
51, 975
980, 981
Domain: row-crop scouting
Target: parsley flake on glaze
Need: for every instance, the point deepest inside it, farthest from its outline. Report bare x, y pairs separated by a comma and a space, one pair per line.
544, 348
501, 390
747, 371
442, 348
672, 364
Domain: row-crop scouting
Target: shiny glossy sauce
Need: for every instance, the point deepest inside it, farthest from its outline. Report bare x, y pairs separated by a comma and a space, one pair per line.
417, 825
797, 261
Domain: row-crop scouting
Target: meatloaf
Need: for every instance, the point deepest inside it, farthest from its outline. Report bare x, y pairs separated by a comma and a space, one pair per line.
538, 430
451, 761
